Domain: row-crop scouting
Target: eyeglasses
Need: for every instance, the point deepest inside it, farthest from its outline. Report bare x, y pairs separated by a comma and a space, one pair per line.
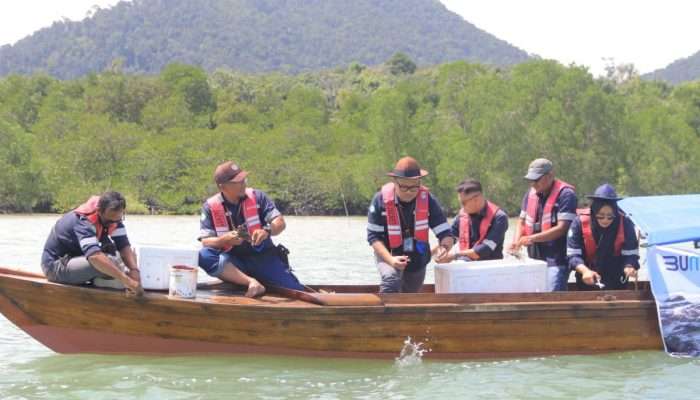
408, 188
601, 217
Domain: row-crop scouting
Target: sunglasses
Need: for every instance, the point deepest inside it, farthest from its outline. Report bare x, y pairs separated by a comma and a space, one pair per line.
408, 188
601, 217
106, 221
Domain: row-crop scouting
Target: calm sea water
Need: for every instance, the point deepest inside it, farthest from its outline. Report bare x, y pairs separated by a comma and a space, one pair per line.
324, 250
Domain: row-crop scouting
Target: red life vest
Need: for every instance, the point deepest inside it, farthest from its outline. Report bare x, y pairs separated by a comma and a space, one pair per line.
250, 213
533, 203
89, 211
465, 226
393, 222
588, 241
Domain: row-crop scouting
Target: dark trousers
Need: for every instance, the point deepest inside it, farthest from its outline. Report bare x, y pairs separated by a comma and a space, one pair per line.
266, 266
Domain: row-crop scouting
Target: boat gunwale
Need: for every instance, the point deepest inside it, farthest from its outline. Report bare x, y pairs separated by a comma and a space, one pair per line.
408, 302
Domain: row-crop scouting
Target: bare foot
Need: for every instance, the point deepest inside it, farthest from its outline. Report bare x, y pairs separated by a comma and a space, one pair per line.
255, 289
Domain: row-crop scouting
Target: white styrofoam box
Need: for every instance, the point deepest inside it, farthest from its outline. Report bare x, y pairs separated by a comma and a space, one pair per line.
491, 276
155, 261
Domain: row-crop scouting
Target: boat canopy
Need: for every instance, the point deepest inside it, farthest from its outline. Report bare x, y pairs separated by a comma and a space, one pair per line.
665, 219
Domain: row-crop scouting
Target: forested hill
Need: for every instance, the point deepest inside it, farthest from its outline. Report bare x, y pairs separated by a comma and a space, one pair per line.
254, 36
683, 70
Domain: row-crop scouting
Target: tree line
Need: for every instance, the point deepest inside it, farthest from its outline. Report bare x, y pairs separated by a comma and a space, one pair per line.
321, 142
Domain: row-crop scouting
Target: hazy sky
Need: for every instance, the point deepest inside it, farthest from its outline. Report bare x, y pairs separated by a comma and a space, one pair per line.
649, 33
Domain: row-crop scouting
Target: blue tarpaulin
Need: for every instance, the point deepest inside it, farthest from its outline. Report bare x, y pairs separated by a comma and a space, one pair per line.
665, 219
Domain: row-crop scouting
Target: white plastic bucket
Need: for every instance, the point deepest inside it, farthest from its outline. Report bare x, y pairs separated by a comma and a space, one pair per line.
183, 282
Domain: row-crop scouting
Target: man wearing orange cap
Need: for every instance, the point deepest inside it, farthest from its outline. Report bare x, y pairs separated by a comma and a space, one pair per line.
397, 228
235, 229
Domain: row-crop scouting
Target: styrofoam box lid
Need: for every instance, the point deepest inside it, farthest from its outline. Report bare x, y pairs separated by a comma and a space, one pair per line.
164, 250
155, 262
491, 264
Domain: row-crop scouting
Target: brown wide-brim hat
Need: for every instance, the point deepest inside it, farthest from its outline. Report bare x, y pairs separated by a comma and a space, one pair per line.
407, 168
229, 172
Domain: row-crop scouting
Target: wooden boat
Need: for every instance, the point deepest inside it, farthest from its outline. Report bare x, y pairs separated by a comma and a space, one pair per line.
354, 321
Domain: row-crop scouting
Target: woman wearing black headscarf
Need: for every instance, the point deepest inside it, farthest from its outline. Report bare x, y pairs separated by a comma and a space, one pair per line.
602, 244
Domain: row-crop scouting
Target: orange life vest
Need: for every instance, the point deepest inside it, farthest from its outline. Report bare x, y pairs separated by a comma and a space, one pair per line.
465, 226
393, 222
588, 240
90, 212
533, 203
250, 213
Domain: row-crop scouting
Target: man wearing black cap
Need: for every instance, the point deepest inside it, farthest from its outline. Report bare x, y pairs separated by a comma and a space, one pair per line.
235, 229
397, 228
547, 211
480, 226
602, 244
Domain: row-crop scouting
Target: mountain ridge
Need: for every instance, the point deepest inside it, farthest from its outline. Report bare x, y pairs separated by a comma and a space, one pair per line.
254, 36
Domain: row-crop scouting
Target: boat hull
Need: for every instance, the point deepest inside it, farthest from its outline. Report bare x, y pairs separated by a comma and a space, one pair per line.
70, 319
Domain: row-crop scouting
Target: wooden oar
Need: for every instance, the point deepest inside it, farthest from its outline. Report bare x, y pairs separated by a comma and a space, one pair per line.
329, 299
295, 294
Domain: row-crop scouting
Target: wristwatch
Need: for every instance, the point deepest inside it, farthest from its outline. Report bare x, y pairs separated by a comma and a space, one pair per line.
268, 229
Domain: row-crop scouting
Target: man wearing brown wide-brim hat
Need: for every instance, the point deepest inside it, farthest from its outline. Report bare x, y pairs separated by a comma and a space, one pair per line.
397, 229
235, 230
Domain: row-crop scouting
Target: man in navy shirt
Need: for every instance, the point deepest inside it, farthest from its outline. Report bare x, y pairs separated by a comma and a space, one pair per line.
547, 211
235, 229
83, 244
397, 228
480, 227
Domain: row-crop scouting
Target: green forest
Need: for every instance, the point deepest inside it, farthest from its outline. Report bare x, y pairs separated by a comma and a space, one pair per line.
322, 142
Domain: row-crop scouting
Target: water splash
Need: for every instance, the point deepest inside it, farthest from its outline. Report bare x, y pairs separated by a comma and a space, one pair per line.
411, 353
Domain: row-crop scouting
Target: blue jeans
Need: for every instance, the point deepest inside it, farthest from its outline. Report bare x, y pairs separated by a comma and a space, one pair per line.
266, 267
557, 277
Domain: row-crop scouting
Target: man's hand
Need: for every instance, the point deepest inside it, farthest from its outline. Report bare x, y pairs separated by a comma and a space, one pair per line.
514, 248
399, 262
589, 276
133, 287
630, 272
525, 241
445, 258
259, 236
135, 274
232, 239
439, 252
254, 288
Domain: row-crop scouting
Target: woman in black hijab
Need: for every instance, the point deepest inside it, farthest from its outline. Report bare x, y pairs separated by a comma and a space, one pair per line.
602, 244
